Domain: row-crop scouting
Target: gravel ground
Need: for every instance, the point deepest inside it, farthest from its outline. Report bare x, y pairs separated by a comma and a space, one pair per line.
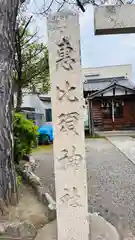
111, 178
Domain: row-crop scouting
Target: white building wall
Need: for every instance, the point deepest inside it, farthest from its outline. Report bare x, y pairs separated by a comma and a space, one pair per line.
47, 104
33, 101
109, 71
108, 93
118, 92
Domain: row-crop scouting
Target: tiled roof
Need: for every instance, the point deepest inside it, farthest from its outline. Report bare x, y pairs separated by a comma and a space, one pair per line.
101, 83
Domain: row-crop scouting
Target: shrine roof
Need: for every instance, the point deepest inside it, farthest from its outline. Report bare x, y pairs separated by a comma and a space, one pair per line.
113, 86
102, 83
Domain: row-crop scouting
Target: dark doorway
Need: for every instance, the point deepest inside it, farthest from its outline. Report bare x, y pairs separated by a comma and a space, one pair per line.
49, 115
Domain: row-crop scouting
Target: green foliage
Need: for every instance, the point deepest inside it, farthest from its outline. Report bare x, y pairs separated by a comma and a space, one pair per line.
25, 136
18, 180
32, 62
35, 71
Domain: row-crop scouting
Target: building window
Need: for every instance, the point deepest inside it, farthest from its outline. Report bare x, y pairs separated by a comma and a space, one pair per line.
31, 116
107, 110
49, 115
118, 109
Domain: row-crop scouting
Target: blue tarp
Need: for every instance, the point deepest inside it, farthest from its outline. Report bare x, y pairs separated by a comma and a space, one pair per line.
47, 129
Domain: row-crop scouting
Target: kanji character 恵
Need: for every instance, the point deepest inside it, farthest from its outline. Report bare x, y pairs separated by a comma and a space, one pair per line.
65, 51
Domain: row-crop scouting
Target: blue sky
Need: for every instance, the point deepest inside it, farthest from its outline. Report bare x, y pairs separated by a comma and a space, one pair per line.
96, 50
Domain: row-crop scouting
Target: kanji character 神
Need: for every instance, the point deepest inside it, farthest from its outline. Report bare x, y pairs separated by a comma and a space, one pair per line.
72, 160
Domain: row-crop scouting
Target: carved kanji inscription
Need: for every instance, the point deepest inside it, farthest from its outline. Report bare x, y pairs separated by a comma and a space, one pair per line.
102, 238
67, 93
73, 160
71, 197
68, 122
65, 51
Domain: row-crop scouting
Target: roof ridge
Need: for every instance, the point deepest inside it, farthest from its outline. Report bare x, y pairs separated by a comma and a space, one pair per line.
107, 79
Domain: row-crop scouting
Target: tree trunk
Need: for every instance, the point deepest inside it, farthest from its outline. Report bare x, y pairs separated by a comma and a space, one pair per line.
8, 189
19, 96
18, 69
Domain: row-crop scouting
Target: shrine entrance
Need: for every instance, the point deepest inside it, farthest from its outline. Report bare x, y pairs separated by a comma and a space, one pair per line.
111, 108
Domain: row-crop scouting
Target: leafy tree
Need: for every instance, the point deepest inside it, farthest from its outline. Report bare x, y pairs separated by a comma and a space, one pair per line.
31, 62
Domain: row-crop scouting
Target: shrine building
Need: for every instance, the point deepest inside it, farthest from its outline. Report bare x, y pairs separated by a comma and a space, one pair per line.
110, 94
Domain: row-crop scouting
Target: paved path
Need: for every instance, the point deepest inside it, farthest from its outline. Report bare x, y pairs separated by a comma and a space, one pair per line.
126, 145
111, 182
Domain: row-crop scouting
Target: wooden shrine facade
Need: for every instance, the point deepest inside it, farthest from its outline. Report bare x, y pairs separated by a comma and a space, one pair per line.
113, 107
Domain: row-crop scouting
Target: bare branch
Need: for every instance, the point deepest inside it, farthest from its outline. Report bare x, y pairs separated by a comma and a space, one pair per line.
48, 8
25, 27
25, 43
60, 3
61, 6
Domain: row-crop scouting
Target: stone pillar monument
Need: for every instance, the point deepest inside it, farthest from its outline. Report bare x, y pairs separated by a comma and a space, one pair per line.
68, 122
